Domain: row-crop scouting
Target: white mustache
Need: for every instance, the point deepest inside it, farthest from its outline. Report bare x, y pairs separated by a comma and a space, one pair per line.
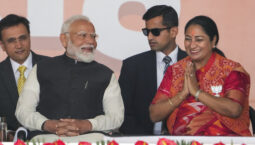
87, 46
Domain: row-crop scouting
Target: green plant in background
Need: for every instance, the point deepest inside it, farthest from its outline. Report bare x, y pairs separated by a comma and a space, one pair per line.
183, 143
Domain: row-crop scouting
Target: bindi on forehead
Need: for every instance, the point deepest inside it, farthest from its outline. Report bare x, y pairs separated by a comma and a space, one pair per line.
192, 32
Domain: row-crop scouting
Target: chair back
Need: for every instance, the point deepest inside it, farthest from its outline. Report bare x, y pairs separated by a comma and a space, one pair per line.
252, 118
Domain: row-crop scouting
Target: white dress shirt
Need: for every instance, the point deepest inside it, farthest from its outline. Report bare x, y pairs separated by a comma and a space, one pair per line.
28, 116
160, 74
161, 64
28, 64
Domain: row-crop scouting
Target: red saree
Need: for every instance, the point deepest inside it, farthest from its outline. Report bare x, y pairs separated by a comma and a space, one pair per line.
217, 77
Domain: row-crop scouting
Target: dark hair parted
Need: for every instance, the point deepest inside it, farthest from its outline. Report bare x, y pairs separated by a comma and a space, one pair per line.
13, 20
170, 17
207, 24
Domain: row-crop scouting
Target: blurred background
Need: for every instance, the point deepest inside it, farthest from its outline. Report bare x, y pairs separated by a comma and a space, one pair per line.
119, 23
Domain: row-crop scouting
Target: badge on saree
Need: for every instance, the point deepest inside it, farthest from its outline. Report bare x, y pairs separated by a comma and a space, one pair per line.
216, 90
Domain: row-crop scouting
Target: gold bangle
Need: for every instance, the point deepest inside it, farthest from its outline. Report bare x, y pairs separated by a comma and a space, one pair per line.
170, 102
197, 94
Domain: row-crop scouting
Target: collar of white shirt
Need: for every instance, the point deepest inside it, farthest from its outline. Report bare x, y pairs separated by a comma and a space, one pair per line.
160, 55
28, 64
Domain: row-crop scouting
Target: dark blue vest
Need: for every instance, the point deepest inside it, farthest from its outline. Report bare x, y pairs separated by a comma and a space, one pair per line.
71, 90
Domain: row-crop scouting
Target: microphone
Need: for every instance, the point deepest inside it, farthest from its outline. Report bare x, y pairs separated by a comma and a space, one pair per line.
21, 133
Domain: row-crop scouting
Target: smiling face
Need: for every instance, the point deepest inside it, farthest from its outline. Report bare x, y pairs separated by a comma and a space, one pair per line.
198, 45
16, 42
80, 41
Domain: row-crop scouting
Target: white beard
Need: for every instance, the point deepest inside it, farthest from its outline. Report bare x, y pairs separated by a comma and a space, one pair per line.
85, 57
79, 54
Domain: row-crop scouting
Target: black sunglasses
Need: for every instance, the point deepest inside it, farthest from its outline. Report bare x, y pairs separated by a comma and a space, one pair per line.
155, 31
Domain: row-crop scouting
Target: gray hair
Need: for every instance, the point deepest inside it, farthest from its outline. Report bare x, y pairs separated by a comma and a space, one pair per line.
69, 21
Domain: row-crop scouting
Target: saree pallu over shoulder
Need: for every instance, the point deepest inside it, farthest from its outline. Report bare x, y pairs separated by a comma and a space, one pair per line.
213, 79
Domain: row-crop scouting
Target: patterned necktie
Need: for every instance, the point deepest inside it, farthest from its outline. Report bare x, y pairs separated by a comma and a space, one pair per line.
167, 61
22, 78
164, 130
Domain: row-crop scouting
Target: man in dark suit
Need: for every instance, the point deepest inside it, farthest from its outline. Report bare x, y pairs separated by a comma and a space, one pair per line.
15, 41
141, 74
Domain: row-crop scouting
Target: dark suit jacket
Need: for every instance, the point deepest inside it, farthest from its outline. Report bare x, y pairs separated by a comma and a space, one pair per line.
138, 82
8, 91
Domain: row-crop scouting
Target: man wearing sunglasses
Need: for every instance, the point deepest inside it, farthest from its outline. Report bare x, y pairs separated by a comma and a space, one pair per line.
141, 74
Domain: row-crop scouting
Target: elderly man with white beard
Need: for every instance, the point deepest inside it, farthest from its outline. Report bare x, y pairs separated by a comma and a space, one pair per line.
71, 94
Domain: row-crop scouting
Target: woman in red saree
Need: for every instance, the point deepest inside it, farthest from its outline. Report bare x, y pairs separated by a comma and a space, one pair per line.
205, 93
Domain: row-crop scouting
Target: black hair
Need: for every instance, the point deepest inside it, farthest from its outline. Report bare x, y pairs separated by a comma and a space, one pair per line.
207, 24
220, 52
13, 20
209, 27
170, 17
